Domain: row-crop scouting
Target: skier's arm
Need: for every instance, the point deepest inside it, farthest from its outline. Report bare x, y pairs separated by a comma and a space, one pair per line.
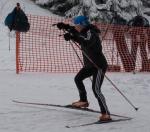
66, 27
87, 41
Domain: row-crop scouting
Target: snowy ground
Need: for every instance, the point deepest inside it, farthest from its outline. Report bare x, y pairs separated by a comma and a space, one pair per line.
60, 89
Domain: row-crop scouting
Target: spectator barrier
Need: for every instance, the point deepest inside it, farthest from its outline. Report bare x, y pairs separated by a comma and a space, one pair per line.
43, 48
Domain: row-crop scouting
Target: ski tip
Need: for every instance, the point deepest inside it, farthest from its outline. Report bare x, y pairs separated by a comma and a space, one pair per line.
136, 109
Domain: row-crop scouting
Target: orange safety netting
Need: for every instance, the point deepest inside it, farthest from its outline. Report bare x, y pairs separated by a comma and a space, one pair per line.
43, 48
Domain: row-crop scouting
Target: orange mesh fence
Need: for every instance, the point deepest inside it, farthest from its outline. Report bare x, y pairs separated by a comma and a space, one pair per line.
43, 48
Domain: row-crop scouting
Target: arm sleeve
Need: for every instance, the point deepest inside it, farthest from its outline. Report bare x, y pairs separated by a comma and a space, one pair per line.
87, 41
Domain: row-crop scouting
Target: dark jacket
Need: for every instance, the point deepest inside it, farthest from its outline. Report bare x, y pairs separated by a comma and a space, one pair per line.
90, 43
138, 21
21, 21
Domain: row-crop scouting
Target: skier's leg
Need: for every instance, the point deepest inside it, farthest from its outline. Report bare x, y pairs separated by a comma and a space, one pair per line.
97, 83
82, 74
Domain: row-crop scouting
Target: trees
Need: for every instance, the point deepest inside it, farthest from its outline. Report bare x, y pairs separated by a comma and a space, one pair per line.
100, 10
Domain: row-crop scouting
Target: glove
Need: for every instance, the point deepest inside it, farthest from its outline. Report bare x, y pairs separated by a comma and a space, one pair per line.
73, 31
62, 25
67, 36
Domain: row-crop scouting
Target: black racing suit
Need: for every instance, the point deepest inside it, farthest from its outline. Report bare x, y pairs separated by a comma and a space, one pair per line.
90, 44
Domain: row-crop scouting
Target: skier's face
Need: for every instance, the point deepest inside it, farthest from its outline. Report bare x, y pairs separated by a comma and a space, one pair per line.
78, 28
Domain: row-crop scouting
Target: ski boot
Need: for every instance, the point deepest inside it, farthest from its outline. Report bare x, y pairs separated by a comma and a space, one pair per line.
105, 117
80, 104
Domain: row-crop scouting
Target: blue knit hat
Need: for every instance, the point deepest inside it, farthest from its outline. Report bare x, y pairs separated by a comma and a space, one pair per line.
81, 20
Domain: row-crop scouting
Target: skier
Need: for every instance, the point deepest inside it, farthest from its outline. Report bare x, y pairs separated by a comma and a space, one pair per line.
87, 36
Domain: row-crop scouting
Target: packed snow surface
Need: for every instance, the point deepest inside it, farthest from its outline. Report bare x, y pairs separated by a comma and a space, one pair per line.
60, 89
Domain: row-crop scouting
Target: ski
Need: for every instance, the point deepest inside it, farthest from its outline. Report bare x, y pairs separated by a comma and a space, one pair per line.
69, 107
98, 122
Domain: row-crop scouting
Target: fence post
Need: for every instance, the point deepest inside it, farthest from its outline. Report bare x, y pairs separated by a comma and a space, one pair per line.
17, 51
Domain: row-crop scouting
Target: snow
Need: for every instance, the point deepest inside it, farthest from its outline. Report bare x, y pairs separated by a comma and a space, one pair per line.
42, 2
60, 89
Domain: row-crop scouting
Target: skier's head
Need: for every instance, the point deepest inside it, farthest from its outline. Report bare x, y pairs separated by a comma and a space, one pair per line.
81, 22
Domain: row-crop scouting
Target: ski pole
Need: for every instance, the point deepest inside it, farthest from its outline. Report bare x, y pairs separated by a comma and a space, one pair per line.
9, 40
135, 108
78, 57
121, 93
104, 75
76, 53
